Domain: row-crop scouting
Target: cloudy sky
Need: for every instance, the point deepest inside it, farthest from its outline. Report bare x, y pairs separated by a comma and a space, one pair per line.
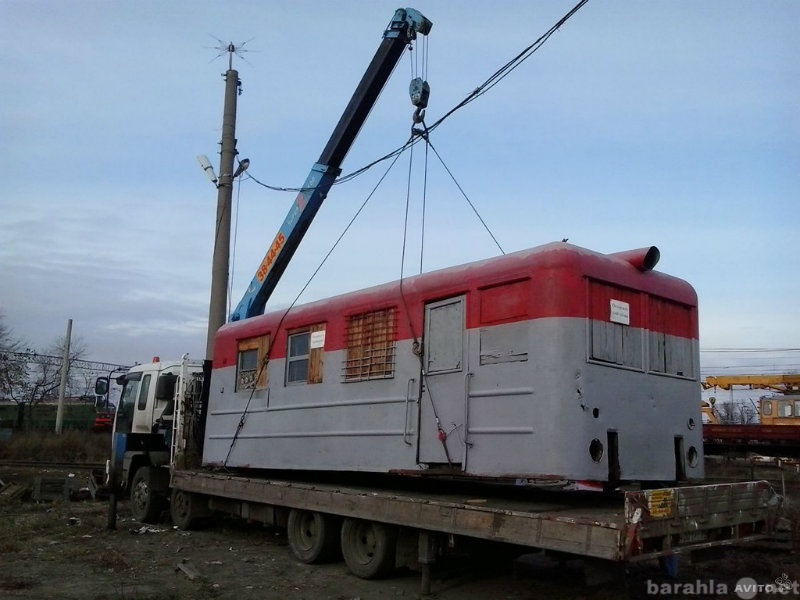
674, 124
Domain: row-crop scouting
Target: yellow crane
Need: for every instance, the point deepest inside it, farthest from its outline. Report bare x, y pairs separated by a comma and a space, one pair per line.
778, 410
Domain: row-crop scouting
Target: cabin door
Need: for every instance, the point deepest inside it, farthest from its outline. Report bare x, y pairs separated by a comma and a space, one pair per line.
442, 404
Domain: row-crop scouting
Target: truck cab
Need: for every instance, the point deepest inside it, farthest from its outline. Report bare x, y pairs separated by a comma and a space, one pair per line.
144, 428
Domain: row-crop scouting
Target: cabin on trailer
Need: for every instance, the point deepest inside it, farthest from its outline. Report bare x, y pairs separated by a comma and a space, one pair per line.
780, 410
555, 365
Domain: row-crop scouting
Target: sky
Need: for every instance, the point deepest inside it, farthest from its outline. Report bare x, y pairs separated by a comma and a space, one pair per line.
674, 124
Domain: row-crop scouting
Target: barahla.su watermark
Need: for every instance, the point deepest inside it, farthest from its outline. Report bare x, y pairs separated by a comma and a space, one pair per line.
746, 588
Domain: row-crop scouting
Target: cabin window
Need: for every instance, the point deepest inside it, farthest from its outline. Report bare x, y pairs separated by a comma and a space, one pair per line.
371, 345
615, 322
766, 408
143, 392
251, 366
784, 409
304, 356
671, 349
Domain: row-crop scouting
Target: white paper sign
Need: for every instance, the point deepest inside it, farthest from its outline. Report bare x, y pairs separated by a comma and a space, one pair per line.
317, 339
620, 312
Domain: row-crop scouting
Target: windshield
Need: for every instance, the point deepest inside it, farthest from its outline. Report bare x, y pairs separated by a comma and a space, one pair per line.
126, 402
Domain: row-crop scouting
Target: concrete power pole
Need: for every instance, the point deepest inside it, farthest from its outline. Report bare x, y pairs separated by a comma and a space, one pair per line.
62, 388
218, 305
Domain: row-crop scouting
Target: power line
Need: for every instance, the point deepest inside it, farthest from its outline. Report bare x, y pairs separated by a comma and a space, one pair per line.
87, 365
748, 350
479, 91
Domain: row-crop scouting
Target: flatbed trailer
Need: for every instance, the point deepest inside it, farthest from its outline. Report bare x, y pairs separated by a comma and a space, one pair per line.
380, 527
773, 440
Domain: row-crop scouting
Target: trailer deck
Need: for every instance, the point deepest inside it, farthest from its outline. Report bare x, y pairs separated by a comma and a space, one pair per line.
633, 526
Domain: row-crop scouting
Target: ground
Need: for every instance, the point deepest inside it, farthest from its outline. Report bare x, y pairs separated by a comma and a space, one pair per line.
63, 549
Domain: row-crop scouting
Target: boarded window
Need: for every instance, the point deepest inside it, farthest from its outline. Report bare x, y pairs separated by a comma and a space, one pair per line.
371, 345
616, 334
671, 349
504, 302
251, 368
305, 355
503, 344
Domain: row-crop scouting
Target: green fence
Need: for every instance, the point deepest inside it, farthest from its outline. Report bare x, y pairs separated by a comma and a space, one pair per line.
43, 416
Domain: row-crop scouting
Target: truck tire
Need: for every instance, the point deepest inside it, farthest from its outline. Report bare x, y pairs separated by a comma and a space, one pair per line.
185, 510
146, 505
368, 548
313, 536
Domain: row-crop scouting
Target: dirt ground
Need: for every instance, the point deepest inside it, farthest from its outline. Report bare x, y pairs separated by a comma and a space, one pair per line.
63, 549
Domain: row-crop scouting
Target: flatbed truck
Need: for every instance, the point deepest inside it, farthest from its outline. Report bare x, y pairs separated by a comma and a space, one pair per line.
413, 498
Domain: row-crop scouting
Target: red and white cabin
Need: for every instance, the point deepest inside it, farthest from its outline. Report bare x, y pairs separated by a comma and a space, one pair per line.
551, 365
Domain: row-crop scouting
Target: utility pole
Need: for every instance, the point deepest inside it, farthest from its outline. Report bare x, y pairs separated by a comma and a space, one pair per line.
217, 311
64, 375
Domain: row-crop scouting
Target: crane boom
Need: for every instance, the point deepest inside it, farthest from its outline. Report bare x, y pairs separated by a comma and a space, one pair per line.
786, 383
403, 29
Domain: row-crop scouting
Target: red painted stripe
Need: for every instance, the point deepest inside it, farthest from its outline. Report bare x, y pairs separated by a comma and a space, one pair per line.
556, 280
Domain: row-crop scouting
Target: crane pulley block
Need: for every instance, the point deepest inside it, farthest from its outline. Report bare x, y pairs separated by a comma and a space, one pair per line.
420, 91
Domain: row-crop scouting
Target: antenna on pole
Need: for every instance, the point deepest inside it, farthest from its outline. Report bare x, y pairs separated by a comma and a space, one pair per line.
217, 311
230, 49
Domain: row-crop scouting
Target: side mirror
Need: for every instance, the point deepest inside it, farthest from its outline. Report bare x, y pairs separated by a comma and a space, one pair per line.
165, 386
101, 386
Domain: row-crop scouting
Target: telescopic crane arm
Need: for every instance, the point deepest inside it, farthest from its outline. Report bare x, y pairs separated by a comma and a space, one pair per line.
786, 384
402, 30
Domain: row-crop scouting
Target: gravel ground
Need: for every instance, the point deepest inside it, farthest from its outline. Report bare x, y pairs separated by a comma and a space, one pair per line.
62, 549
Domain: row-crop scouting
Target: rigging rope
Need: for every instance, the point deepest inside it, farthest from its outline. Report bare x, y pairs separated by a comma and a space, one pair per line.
463, 193
265, 361
417, 348
493, 80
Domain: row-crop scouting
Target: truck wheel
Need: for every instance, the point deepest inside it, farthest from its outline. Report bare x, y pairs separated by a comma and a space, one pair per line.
368, 548
146, 505
184, 510
313, 537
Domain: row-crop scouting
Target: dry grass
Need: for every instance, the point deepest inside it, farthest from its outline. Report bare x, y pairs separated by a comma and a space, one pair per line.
69, 446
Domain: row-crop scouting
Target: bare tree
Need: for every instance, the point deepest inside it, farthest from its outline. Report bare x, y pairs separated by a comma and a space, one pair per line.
44, 374
13, 371
735, 413
746, 414
727, 412
29, 377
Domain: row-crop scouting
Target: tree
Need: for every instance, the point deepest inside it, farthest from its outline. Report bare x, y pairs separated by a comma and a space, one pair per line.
44, 371
13, 370
29, 377
736, 413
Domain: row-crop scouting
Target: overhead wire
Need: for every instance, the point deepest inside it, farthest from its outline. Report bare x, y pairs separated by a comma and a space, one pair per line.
748, 350
233, 243
512, 64
479, 91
